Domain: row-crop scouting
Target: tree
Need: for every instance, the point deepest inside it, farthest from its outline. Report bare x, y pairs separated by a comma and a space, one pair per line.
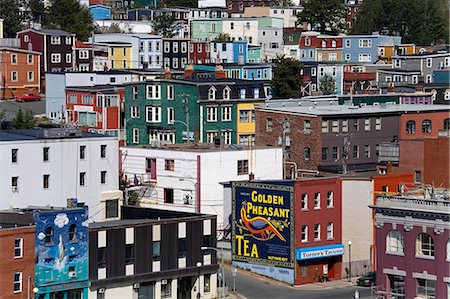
164, 25
422, 22
283, 3
114, 28
324, 15
23, 121
9, 12
223, 37
179, 3
327, 84
286, 79
71, 16
36, 11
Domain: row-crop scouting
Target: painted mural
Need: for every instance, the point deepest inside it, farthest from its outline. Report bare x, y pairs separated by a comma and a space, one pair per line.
263, 224
61, 252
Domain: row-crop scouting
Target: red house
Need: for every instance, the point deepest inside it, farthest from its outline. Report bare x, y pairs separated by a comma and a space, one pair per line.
199, 53
96, 108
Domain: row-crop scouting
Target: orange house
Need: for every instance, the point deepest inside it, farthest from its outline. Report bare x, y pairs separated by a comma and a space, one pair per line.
386, 53
20, 72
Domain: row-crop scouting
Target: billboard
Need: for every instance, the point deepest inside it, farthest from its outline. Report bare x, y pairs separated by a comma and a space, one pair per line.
263, 224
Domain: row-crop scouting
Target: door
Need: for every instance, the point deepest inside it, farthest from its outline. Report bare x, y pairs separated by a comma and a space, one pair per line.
185, 285
150, 167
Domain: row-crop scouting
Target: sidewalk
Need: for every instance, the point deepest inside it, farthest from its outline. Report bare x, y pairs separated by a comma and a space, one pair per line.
332, 284
236, 296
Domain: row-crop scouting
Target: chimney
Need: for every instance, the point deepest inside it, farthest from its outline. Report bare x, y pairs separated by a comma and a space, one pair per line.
219, 72
189, 71
167, 74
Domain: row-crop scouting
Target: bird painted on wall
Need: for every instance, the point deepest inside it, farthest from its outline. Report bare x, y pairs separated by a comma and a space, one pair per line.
259, 226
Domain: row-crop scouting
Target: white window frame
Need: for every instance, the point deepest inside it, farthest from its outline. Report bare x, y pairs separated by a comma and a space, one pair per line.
330, 199
226, 113
55, 40
68, 40
17, 281
212, 91
20, 247
395, 242
135, 111
365, 43
170, 115
330, 231
153, 92
211, 113
55, 58
68, 58
83, 54
367, 124
304, 234
170, 92
14, 76
378, 124
317, 201
317, 228
155, 112
135, 135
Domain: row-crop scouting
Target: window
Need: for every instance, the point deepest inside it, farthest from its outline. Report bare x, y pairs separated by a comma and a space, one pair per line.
348, 57
307, 153
166, 289
426, 288
112, 208
426, 126
153, 114
135, 92
304, 201
55, 40
324, 153
317, 200
447, 124
212, 93
82, 152
424, 245
14, 154
129, 254
15, 183
68, 58
364, 57
226, 93
13, 58
307, 41
348, 43
324, 126
330, 233
68, 40
169, 165
335, 126
335, 153
72, 232
367, 150
170, 92
242, 93
394, 242
48, 236
14, 76
207, 283
55, 58
365, 43
82, 178
356, 125
46, 181
182, 250
30, 76
304, 233
83, 54
211, 114
227, 137
87, 99
367, 124
317, 232
356, 151
101, 257
429, 62
226, 113
345, 125
242, 167
244, 116
17, 282
153, 92
18, 247
103, 177
30, 59
156, 251
378, 123
411, 127
330, 199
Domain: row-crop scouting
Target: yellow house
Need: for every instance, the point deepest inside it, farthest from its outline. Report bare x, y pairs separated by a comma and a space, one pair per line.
246, 122
118, 54
386, 53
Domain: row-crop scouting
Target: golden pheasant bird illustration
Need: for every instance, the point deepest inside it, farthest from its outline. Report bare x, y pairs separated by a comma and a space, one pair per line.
259, 225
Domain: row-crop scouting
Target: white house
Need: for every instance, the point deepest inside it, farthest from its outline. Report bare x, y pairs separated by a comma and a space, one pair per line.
176, 176
41, 167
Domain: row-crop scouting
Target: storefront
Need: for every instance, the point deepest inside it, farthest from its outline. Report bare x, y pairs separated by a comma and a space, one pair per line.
318, 264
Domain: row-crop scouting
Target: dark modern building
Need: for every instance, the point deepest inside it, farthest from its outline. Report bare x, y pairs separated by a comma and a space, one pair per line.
175, 53
413, 245
153, 253
84, 56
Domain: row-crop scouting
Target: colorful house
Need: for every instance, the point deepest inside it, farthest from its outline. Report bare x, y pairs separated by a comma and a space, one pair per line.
229, 52
329, 48
61, 253
308, 45
254, 54
249, 71
364, 48
115, 55
385, 53
199, 53
100, 12
21, 72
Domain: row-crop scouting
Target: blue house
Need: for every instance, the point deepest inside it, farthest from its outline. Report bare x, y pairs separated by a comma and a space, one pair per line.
364, 48
254, 71
61, 253
229, 51
100, 12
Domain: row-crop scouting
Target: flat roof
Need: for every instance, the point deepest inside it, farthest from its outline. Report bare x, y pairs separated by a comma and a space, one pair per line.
38, 134
202, 147
331, 110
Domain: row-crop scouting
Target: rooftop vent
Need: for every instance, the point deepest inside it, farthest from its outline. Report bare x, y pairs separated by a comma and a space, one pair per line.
54, 133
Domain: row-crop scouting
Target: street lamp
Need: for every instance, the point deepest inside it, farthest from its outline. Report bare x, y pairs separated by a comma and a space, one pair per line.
349, 243
199, 265
222, 266
188, 139
197, 198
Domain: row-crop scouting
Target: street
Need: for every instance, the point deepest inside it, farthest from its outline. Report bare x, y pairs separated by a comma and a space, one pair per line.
254, 286
10, 107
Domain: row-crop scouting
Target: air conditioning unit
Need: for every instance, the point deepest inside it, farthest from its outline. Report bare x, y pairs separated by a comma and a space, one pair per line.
101, 290
136, 285
72, 274
15, 189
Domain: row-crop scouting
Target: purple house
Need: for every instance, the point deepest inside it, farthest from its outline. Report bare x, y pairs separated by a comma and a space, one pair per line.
413, 247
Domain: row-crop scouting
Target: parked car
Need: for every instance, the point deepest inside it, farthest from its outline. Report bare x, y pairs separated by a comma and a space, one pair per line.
28, 97
367, 280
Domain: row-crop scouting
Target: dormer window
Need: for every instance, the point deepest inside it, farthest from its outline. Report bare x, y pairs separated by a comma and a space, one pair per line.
212, 93
307, 41
333, 44
242, 93
226, 93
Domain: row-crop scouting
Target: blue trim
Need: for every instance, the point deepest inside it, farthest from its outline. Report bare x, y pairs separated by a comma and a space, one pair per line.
320, 252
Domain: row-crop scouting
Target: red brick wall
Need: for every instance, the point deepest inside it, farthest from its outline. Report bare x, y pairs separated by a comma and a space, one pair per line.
9, 264
437, 119
299, 140
411, 156
437, 162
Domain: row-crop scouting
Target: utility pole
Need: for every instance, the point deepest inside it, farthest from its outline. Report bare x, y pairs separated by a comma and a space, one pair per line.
186, 111
285, 141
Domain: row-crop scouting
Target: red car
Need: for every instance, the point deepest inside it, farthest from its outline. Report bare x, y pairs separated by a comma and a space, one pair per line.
28, 97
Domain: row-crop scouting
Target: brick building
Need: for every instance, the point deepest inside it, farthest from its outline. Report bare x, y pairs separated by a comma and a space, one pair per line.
17, 234
436, 161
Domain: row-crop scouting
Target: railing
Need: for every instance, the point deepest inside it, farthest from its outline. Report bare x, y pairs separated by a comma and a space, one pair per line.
435, 205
